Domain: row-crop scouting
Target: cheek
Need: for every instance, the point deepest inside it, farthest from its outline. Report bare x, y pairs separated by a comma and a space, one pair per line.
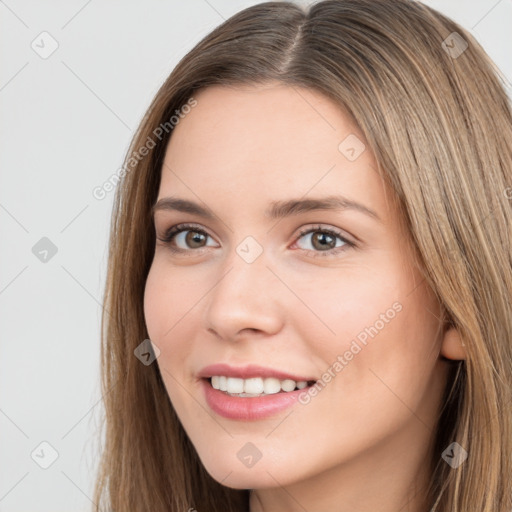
153, 303
164, 306
373, 326
342, 307
173, 298
168, 298
165, 309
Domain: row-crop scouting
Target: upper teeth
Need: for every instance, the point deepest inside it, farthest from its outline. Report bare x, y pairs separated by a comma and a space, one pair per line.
255, 385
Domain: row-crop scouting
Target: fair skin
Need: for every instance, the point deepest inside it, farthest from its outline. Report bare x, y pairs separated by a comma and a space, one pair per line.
362, 443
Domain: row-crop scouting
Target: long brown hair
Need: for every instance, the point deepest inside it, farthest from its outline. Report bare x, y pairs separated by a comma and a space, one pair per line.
437, 118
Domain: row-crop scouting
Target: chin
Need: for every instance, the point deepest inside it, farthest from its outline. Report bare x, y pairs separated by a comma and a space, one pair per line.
246, 478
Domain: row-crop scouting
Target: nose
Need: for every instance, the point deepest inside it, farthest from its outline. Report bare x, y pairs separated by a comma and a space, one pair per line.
246, 300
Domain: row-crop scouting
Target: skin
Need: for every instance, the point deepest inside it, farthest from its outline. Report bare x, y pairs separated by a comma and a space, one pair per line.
362, 444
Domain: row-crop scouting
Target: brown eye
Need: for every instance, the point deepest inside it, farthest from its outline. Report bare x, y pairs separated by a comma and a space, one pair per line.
321, 240
324, 242
184, 237
194, 239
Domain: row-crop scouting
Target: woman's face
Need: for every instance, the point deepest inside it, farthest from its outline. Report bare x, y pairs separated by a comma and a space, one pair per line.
343, 304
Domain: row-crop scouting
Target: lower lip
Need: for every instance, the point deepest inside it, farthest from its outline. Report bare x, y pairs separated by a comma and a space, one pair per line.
246, 408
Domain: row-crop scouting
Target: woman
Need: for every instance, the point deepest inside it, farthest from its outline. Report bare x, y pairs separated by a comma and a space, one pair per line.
308, 303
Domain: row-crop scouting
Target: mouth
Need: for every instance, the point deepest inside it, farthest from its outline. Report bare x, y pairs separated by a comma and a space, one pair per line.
255, 387
255, 405
251, 392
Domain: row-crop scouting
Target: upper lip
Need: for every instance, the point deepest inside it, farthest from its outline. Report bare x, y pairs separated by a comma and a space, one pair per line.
249, 371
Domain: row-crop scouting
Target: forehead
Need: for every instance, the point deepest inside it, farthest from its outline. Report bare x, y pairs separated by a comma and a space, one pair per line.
248, 145
271, 120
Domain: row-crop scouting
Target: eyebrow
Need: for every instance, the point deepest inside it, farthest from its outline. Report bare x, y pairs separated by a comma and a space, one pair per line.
276, 210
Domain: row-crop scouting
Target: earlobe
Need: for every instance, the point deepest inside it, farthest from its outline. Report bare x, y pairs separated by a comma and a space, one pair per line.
452, 346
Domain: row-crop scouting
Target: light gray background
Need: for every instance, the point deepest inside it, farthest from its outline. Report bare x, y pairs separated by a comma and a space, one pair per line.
66, 122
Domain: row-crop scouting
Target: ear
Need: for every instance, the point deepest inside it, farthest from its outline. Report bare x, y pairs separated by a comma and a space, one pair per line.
452, 346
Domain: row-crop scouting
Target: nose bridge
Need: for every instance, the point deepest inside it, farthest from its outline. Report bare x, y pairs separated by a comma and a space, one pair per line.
244, 297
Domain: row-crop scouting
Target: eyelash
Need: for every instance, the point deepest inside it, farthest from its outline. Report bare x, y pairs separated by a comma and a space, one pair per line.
179, 228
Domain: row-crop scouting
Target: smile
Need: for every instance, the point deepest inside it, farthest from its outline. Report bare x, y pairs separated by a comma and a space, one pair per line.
256, 386
251, 406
